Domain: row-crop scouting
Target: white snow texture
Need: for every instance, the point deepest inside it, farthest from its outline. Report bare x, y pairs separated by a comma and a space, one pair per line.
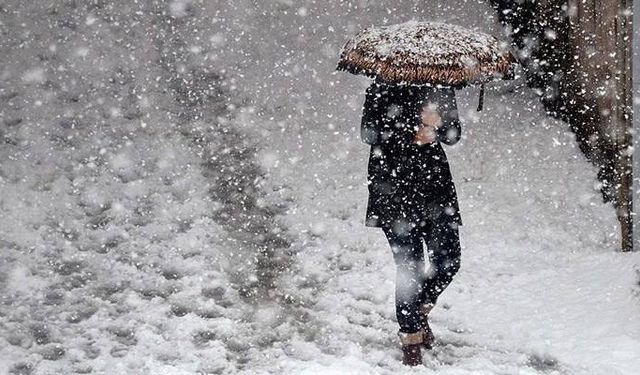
183, 189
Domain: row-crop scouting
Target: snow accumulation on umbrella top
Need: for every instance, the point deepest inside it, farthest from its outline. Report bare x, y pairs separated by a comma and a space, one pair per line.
429, 43
426, 52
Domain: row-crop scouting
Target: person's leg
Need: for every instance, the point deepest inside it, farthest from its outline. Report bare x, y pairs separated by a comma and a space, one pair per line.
409, 258
443, 243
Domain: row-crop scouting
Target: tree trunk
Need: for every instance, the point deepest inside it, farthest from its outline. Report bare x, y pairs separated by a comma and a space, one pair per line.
624, 124
578, 53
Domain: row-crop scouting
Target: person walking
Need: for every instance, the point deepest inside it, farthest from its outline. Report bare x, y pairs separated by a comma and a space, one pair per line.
412, 197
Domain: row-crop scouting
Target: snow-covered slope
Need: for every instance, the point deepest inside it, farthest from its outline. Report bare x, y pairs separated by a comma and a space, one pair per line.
541, 288
125, 196
126, 248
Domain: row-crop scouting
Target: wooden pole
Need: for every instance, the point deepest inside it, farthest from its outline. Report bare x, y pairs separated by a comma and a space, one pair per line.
623, 120
635, 68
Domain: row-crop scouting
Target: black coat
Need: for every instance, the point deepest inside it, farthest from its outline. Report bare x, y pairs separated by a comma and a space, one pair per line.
408, 184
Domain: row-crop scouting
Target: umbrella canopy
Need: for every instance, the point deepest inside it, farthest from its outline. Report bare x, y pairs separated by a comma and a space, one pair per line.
427, 53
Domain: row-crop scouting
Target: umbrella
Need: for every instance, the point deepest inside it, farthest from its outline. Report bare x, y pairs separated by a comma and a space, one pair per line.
430, 53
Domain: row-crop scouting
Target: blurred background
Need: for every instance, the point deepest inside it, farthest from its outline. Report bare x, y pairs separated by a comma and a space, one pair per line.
183, 190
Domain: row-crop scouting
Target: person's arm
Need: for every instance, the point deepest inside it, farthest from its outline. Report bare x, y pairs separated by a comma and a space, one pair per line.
450, 131
372, 116
382, 121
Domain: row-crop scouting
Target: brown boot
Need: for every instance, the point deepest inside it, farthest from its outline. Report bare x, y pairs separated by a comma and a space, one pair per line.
411, 353
428, 337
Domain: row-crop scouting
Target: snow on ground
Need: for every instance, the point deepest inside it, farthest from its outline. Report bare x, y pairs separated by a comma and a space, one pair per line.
136, 225
541, 288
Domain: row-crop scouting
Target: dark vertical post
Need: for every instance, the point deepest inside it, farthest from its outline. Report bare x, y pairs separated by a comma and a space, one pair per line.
635, 64
623, 120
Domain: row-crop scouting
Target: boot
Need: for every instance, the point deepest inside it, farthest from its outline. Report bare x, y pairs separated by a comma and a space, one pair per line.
428, 337
411, 353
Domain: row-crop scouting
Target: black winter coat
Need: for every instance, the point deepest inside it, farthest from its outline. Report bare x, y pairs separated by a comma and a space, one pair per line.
408, 184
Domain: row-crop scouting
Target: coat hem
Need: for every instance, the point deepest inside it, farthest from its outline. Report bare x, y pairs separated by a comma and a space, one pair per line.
375, 223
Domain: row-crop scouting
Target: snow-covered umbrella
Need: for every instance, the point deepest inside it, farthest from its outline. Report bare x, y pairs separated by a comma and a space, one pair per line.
430, 53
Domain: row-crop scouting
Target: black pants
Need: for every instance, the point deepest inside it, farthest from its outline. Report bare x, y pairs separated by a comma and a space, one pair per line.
414, 285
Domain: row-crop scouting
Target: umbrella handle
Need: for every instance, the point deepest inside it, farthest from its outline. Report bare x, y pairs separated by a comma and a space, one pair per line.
481, 98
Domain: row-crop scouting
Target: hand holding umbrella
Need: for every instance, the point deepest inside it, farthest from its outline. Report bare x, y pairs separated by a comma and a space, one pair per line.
431, 121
